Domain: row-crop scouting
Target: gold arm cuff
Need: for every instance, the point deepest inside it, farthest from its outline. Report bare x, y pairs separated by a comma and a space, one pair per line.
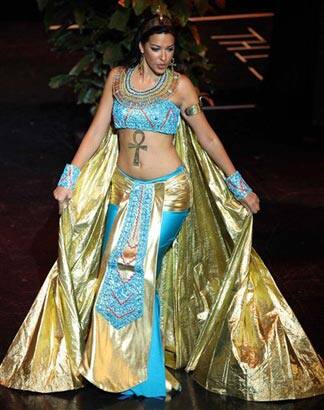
193, 109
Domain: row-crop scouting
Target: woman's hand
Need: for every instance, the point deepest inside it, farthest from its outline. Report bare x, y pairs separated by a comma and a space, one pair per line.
63, 196
251, 202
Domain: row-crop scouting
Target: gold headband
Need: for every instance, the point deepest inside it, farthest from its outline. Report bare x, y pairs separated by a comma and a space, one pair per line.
157, 20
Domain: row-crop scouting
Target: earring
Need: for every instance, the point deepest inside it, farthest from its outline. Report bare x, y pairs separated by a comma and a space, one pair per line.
141, 65
172, 64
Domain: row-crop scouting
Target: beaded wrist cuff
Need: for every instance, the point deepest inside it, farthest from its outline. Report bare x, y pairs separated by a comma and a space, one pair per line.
237, 185
69, 176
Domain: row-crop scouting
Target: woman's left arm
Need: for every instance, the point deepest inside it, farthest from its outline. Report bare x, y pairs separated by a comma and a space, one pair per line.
207, 137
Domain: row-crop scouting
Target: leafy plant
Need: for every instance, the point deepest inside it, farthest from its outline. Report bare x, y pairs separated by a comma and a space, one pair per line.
100, 32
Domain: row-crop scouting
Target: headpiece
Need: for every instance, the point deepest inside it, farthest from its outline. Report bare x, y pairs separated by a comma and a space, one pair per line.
158, 19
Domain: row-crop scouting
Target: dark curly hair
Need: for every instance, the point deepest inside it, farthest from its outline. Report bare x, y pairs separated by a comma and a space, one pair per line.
146, 29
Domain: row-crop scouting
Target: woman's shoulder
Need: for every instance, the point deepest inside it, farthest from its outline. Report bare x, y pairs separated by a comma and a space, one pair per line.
117, 70
115, 77
184, 80
185, 85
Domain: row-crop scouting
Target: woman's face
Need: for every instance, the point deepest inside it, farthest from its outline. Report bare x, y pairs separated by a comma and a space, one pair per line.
158, 51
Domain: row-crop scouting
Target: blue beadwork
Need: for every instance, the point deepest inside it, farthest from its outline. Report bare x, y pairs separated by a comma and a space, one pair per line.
160, 116
236, 184
145, 110
69, 176
130, 303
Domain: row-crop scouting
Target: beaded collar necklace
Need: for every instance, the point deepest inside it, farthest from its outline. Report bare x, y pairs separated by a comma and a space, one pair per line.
162, 89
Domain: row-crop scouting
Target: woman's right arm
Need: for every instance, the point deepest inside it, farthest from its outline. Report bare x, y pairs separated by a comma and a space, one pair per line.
94, 135
101, 121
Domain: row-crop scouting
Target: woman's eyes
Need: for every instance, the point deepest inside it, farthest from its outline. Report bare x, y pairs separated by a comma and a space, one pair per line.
157, 49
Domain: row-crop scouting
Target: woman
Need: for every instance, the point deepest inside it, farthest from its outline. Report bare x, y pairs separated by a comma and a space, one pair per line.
159, 193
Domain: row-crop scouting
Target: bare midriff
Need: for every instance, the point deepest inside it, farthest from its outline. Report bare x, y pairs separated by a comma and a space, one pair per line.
156, 154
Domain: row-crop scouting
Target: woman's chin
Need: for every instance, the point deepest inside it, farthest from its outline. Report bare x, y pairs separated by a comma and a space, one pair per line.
158, 70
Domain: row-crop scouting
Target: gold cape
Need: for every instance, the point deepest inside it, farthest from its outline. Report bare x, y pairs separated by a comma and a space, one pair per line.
222, 315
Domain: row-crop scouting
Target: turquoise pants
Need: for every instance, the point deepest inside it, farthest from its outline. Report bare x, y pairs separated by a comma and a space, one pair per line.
154, 385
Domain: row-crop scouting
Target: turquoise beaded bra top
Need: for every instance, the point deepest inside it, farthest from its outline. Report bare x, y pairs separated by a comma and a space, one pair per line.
148, 110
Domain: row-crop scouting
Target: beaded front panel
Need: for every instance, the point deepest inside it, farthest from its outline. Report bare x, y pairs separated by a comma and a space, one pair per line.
121, 296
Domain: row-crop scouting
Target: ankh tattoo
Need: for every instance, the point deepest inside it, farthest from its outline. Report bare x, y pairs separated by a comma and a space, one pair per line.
137, 145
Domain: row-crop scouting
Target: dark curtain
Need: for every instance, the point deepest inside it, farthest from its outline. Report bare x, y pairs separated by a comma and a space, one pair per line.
289, 95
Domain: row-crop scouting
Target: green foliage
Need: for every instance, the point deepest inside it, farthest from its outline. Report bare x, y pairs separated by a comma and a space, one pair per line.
104, 34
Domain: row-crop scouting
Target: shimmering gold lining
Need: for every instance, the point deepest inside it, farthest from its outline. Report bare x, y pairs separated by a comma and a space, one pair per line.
223, 317
47, 349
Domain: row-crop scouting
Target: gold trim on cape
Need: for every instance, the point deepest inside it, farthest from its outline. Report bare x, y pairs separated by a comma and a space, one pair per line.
222, 315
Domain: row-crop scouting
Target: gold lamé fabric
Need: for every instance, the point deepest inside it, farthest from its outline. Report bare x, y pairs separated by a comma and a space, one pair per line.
116, 359
47, 349
222, 315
